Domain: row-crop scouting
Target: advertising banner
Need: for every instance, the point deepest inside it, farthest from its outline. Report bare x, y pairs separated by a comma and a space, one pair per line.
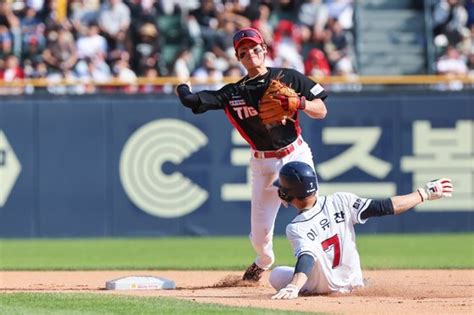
143, 165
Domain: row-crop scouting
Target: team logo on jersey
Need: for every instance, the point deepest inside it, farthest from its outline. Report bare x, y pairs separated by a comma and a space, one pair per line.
317, 89
357, 203
237, 102
240, 107
244, 112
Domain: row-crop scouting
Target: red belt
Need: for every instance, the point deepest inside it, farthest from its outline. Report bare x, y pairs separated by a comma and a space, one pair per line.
279, 154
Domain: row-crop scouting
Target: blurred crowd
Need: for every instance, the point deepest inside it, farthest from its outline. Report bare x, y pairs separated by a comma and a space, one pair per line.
453, 30
96, 40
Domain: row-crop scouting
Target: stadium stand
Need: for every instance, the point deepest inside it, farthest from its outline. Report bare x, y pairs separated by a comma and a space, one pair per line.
95, 41
391, 33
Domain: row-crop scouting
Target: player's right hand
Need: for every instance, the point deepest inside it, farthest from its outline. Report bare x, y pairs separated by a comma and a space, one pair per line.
287, 293
188, 83
436, 189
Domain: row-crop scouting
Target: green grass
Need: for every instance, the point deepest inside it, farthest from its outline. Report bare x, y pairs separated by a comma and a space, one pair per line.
78, 303
420, 251
414, 251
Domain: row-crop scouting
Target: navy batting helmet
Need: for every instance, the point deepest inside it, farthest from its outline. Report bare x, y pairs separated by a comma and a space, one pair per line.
296, 180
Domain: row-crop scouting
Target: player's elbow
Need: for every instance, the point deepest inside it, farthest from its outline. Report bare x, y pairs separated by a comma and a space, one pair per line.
322, 113
319, 114
317, 110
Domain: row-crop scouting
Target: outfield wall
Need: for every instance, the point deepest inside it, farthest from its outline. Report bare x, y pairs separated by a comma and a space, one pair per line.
115, 165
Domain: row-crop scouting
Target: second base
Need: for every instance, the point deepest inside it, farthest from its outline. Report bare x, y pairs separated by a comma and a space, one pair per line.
140, 283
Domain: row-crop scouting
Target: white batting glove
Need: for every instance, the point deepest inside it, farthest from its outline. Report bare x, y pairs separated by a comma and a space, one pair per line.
436, 189
287, 293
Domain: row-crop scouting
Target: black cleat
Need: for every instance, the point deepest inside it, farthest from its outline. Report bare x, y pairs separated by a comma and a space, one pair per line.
253, 273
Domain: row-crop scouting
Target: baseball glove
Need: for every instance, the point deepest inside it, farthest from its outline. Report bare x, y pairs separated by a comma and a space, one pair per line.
279, 103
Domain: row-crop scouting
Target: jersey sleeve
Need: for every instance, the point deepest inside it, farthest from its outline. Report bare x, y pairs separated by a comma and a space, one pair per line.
353, 205
308, 88
211, 100
299, 244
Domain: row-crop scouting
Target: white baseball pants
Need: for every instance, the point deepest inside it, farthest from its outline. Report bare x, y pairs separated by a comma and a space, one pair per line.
265, 201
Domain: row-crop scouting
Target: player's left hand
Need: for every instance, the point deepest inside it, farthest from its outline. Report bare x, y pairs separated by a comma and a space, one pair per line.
279, 103
436, 189
287, 293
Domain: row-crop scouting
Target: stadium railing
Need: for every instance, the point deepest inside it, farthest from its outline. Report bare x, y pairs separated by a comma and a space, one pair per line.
338, 83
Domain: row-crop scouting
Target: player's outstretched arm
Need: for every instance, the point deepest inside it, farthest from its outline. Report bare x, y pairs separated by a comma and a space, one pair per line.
431, 191
199, 102
186, 95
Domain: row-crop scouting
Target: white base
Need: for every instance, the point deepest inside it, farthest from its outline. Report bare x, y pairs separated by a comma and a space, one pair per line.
140, 283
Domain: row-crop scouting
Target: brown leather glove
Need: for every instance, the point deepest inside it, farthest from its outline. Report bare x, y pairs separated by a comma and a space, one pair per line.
279, 102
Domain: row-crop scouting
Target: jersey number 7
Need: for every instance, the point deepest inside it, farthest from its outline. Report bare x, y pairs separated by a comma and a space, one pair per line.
334, 242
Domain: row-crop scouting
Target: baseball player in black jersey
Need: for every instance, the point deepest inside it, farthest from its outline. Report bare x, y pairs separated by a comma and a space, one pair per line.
272, 144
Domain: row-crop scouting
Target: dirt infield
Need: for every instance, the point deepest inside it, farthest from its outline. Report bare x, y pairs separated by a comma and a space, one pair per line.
387, 291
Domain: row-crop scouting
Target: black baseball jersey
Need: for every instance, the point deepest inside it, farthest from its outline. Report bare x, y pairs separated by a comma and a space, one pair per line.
240, 101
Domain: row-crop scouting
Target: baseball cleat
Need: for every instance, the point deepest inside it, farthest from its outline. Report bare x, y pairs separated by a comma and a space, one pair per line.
253, 273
